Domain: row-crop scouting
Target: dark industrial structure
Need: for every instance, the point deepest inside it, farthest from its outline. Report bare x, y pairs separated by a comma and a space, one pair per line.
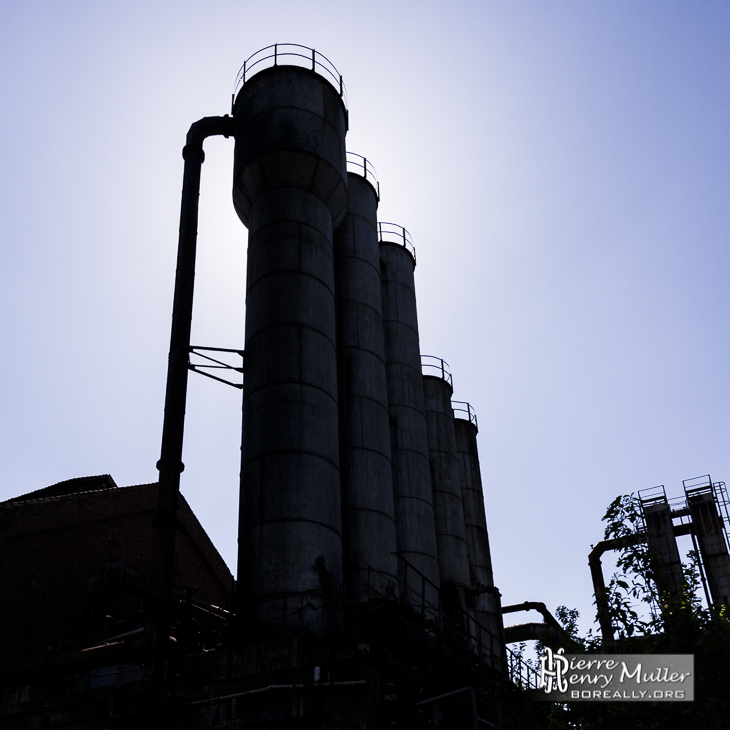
365, 596
704, 514
75, 562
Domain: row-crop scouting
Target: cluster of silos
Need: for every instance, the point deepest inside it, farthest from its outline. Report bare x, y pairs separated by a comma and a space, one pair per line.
706, 507
357, 481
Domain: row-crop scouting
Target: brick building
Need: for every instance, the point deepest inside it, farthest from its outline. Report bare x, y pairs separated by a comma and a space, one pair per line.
75, 561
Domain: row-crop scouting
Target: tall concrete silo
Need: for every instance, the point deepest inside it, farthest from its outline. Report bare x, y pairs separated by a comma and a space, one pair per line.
412, 493
367, 478
290, 189
488, 611
448, 510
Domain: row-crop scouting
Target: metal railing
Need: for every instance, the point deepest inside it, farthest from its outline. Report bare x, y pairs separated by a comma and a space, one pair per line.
721, 500
521, 673
653, 495
436, 366
705, 485
291, 54
360, 165
420, 600
393, 233
457, 627
464, 411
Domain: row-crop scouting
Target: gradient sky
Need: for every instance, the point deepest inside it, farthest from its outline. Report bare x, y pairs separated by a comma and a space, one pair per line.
562, 167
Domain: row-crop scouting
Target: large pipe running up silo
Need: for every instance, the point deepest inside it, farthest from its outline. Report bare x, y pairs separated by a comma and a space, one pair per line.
367, 477
412, 494
290, 189
170, 464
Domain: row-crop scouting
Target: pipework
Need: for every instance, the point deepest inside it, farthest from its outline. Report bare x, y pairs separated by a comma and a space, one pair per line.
170, 464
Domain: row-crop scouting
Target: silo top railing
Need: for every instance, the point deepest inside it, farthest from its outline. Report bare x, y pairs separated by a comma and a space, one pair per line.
432, 365
464, 411
393, 233
360, 165
291, 54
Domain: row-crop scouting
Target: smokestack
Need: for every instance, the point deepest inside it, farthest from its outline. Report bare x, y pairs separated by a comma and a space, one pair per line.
290, 189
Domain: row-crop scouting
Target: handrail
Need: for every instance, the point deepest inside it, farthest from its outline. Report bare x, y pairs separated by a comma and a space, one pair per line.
418, 594
439, 365
462, 629
393, 233
289, 54
520, 672
360, 165
471, 416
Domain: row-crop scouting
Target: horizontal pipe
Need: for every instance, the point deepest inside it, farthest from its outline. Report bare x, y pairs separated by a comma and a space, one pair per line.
260, 690
599, 584
528, 632
535, 606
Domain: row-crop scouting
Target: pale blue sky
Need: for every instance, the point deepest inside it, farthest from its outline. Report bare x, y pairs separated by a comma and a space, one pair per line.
562, 167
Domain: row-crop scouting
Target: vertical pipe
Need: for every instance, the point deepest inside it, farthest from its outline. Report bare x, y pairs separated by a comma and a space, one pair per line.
412, 494
290, 189
170, 463
367, 477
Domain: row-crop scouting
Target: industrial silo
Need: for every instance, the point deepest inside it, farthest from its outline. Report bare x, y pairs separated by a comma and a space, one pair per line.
290, 190
448, 510
488, 611
367, 478
412, 494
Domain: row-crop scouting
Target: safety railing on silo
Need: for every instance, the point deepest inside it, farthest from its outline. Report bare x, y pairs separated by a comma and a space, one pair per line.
360, 165
393, 233
421, 599
464, 411
290, 54
436, 366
